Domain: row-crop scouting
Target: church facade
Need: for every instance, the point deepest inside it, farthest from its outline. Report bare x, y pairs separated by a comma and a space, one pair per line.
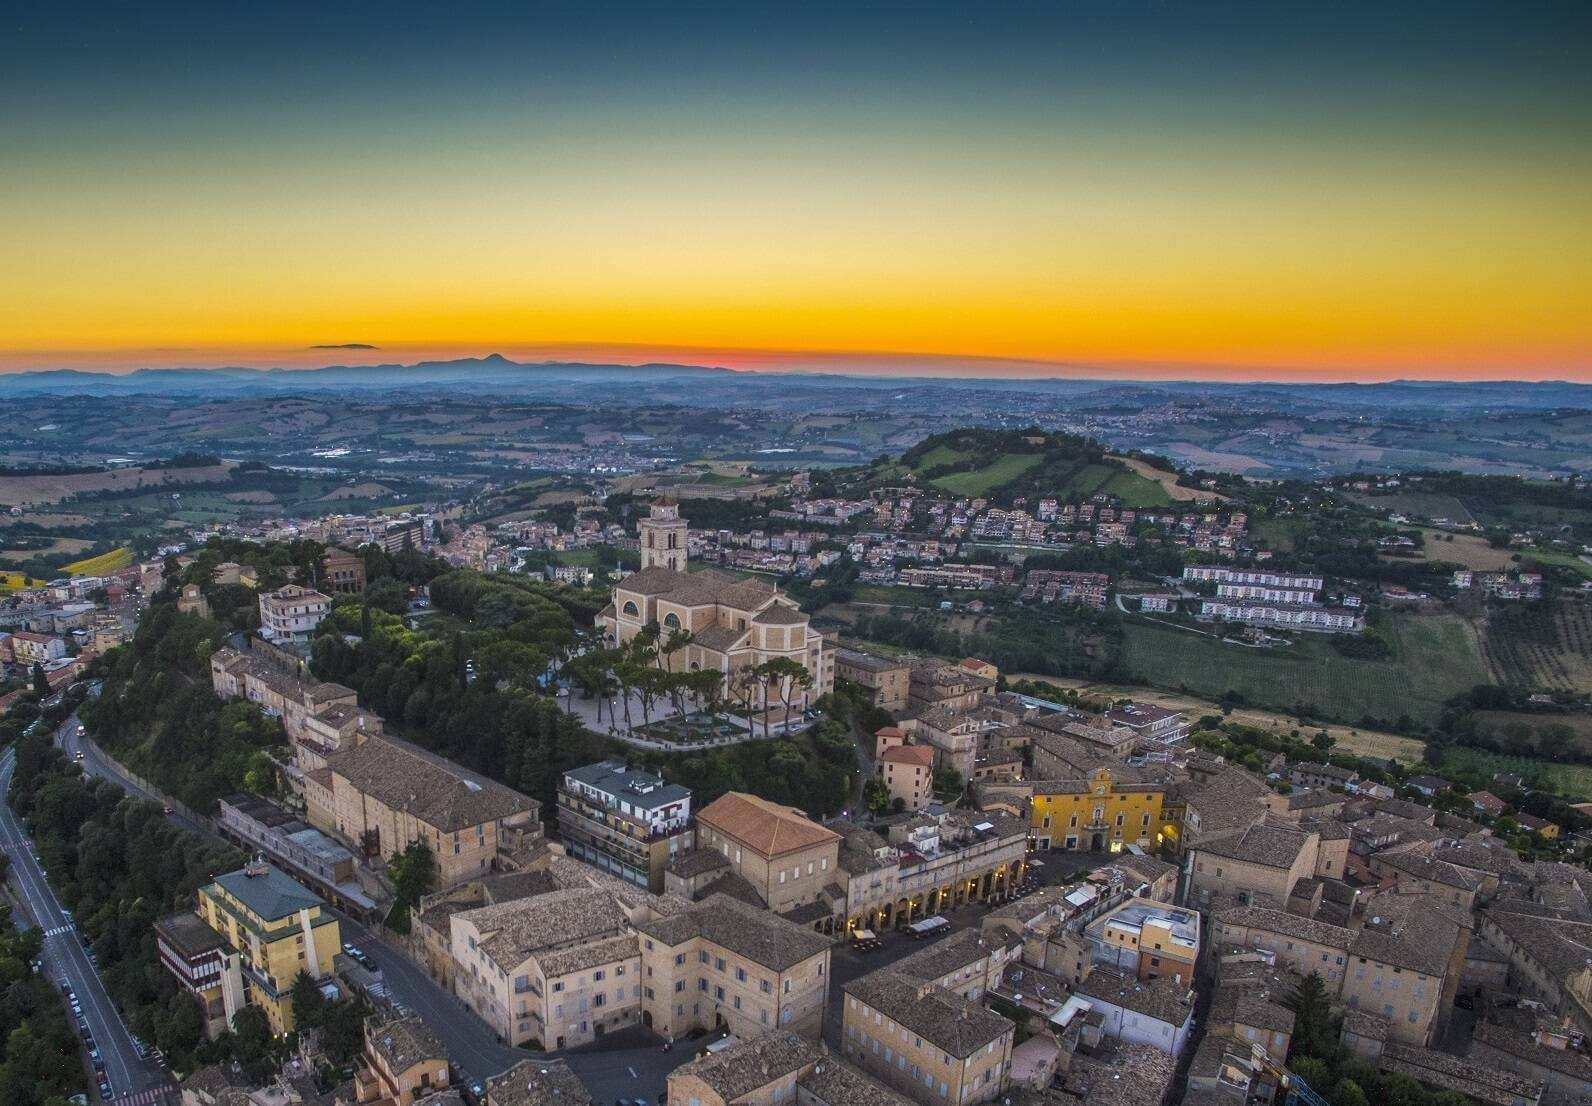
734, 623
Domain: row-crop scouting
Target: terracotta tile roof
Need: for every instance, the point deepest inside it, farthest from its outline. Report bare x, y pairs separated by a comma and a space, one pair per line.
920, 755
768, 828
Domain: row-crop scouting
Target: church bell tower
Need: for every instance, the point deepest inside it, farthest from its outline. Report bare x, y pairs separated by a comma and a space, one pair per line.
663, 537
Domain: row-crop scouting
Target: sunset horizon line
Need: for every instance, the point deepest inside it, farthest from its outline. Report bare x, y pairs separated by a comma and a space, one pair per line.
775, 361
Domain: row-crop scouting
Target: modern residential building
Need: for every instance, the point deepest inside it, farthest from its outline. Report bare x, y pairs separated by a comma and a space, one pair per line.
623, 820
1148, 939
1222, 574
1152, 725
291, 613
272, 929
734, 624
1292, 616
721, 963
197, 956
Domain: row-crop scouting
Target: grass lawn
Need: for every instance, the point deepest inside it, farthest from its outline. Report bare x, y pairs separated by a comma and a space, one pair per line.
1435, 658
1570, 781
1136, 491
1277, 534
940, 455
1563, 560
981, 481
585, 558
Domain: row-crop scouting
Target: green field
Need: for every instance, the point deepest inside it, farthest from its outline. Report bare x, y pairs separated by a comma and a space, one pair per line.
981, 481
1570, 781
1434, 658
1136, 491
1563, 560
941, 455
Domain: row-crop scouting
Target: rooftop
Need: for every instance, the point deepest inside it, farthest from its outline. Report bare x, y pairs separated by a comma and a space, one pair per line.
632, 785
1165, 999
433, 790
941, 1017
761, 937
749, 1065
514, 931
546, 1082
403, 1042
267, 892
768, 828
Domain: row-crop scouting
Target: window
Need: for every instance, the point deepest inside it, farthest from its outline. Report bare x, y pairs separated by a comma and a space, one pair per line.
672, 621
630, 609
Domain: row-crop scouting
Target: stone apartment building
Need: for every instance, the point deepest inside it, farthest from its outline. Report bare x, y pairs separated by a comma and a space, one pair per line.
561, 968
887, 679
1405, 977
908, 772
382, 793
774, 1069
925, 1040
786, 857
342, 572
722, 963
1262, 865
402, 1061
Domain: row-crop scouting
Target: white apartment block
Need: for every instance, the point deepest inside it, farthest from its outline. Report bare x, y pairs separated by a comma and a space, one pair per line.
1220, 574
292, 613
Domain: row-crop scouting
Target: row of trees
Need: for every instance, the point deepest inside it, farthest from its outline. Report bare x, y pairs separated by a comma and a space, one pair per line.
645, 668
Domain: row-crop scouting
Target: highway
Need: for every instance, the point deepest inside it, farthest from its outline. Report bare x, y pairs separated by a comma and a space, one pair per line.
134, 1081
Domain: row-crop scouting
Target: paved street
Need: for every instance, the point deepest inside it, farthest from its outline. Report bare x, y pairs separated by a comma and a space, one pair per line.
630, 1065
134, 1082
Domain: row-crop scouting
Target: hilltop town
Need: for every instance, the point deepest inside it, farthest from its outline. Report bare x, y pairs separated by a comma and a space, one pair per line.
850, 789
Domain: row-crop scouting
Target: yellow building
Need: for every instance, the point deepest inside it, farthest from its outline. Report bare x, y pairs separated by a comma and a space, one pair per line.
1104, 810
274, 929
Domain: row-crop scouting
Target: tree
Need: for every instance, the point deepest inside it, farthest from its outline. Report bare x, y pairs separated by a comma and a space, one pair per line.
947, 781
413, 872
1314, 1034
788, 676
308, 1002
875, 795
41, 682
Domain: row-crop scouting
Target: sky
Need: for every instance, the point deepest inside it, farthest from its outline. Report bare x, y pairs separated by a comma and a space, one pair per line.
1310, 190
